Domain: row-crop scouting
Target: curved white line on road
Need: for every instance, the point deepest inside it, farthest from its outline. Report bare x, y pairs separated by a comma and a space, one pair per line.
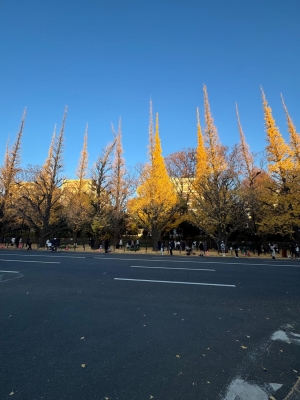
180, 283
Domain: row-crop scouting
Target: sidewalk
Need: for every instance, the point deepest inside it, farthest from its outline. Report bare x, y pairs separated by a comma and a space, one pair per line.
142, 250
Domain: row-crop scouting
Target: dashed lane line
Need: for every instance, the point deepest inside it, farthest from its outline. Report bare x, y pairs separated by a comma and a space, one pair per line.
185, 269
43, 255
10, 272
24, 261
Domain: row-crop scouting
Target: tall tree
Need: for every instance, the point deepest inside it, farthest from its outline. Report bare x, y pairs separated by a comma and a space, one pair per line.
280, 210
218, 208
8, 178
76, 199
156, 205
40, 197
252, 182
100, 191
121, 188
278, 151
294, 137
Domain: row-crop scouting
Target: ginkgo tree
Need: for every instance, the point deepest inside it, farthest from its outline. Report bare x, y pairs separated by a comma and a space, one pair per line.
218, 208
76, 199
41, 190
156, 204
281, 197
9, 173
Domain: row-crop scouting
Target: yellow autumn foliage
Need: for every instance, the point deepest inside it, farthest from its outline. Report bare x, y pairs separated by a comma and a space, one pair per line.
156, 202
278, 152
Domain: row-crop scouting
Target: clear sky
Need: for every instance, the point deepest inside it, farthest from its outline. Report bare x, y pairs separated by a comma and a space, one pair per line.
106, 58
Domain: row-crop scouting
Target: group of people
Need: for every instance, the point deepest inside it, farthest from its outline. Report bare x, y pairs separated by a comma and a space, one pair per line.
294, 250
183, 246
52, 244
131, 244
18, 242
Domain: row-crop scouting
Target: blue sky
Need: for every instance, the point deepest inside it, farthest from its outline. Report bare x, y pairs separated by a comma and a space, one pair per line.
106, 58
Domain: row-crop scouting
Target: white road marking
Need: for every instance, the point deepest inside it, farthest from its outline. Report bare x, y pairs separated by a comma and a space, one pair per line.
181, 283
39, 262
11, 272
172, 261
186, 269
9, 276
190, 262
41, 255
285, 336
240, 389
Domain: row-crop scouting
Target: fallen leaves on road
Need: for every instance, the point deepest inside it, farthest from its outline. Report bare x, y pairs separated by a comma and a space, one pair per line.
177, 355
244, 347
82, 338
11, 393
151, 397
82, 365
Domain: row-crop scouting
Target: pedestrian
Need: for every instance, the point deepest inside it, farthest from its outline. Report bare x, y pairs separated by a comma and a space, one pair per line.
188, 250
162, 248
29, 244
272, 249
223, 248
171, 244
205, 247
201, 248
236, 249
120, 243
296, 251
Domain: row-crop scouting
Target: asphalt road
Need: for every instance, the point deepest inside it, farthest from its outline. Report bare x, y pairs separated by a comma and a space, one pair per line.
139, 327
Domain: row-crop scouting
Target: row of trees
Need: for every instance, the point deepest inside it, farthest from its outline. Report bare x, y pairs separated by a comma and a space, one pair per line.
217, 189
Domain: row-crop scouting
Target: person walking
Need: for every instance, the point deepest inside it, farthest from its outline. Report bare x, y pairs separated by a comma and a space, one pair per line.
201, 248
296, 251
171, 246
272, 249
223, 248
236, 249
162, 248
205, 247
29, 244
